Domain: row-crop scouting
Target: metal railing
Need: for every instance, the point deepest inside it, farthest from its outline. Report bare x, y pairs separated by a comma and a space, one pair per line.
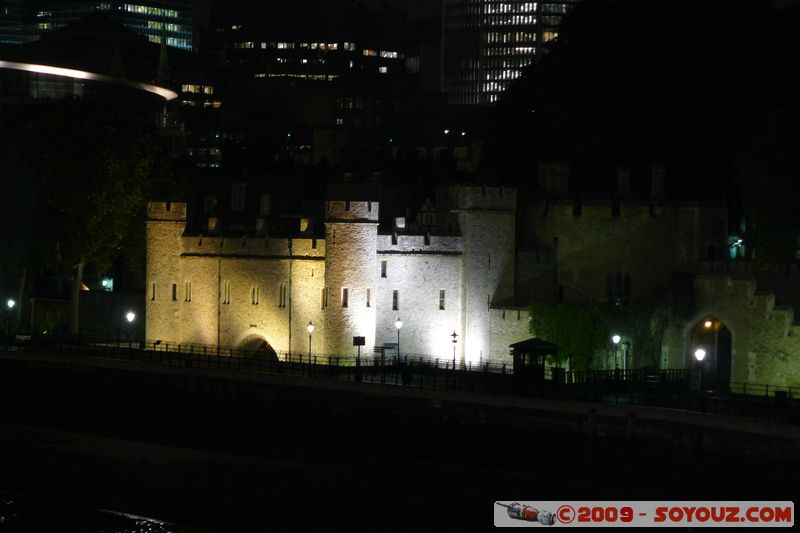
664, 388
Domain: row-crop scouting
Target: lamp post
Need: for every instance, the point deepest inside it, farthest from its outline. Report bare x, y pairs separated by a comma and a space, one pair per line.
10, 303
398, 324
310, 328
700, 354
130, 317
455, 340
615, 339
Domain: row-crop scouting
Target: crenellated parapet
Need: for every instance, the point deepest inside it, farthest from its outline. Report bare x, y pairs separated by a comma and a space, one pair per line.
477, 197
166, 211
351, 211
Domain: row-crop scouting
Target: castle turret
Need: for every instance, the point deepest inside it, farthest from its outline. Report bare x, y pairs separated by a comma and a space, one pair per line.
351, 273
165, 225
487, 220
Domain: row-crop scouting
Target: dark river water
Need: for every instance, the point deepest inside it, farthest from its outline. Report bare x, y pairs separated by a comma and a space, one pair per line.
21, 513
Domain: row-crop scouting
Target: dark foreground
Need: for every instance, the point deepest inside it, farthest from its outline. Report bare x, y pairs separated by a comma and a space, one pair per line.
206, 453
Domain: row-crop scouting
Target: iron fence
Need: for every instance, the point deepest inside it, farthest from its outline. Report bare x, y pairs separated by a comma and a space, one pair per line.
665, 388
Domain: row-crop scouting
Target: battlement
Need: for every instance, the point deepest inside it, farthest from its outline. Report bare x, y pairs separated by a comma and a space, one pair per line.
166, 211
478, 197
448, 244
351, 211
726, 285
254, 246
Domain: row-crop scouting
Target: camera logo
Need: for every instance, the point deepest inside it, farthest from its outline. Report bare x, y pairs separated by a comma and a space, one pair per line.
526, 513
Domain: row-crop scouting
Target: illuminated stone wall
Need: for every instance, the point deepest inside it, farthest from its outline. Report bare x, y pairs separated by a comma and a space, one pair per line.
487, 221
165, 226
507, 326
766, 344
230, 291
418, 269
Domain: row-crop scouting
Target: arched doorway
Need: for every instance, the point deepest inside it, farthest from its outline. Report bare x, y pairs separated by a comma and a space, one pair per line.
713, 337
257, 346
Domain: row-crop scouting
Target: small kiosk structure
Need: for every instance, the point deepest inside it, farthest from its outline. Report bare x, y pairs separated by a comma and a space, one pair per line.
529, 358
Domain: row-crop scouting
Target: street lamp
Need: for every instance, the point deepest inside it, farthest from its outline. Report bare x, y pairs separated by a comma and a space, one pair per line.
455, 340
10, 303
615, 339
398, 324
310, 328
700, 354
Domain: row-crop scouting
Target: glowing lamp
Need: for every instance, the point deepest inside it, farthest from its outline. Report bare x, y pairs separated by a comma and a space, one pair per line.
699, 354
130, 316
615, 339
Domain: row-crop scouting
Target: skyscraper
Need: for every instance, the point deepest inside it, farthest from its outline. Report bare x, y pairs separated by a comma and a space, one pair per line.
156, 19
487, 43
11, 18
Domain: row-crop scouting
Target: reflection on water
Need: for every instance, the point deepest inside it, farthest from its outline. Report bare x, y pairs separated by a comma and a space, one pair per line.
22, 513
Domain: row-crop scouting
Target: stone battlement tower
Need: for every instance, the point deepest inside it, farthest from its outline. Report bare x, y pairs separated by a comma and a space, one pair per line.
351, 274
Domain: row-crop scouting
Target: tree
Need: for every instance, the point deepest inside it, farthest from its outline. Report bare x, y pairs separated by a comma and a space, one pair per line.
578, 330
93, 167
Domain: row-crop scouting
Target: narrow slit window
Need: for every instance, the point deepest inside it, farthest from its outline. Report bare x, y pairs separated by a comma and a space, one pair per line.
226, 292
345, 296
441, 300
395, 300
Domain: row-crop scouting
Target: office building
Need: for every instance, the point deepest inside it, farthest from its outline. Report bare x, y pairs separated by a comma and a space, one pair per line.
487, 43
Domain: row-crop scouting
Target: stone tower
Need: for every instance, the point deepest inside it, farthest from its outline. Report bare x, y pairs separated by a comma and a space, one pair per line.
487, 221
165, 225
351, 274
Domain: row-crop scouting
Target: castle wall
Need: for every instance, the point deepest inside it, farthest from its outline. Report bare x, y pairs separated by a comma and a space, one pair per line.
650, 246
766, 346
165, 226
230, 290
487, 220
351, 231
506, 326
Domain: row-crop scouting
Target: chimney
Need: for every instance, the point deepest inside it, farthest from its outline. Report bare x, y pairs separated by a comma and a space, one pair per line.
554, 177
658, 177
623, 181
213, 225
